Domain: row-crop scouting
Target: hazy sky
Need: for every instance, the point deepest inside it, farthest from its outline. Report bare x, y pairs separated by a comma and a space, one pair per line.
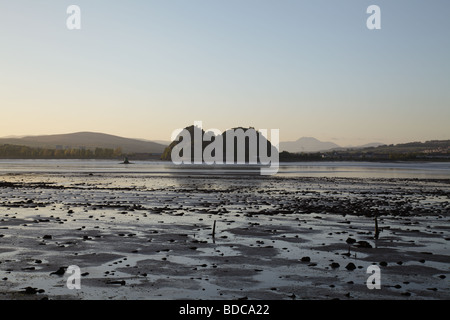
309, 68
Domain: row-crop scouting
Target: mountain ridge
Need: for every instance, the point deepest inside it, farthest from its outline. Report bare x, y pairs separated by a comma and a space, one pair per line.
86, 139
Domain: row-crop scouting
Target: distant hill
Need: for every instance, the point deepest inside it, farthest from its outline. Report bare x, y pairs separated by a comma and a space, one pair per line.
307, 144
87, 140
367, 145
434, 150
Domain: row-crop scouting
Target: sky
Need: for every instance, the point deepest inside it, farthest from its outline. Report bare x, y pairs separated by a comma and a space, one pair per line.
142, 69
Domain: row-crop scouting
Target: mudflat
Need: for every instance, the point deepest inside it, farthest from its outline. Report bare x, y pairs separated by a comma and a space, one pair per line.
151, 237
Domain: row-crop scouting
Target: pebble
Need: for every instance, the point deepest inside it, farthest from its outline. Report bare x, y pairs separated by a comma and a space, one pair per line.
351, 266
31, 290
305, 259
334, 265
61, 271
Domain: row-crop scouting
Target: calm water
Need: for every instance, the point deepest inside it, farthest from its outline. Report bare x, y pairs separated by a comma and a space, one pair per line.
421, 170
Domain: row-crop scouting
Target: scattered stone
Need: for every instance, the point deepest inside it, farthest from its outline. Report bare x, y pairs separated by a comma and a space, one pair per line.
306, 259
60, 272
334, 265
351, 266
31, 290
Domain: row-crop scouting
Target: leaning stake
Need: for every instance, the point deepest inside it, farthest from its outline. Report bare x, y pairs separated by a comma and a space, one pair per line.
214, 229
377, 231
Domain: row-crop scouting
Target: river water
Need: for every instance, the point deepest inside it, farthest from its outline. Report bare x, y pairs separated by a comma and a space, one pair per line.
409, 170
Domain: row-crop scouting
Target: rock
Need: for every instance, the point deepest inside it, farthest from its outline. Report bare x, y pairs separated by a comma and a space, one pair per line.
30, 290
60, 272
350, 240
305, 259
351, 266
383, 263
47, 237
334, 265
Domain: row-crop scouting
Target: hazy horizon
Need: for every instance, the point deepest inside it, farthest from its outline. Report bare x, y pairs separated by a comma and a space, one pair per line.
309, 68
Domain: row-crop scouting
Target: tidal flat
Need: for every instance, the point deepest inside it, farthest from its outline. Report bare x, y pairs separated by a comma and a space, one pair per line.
140, 236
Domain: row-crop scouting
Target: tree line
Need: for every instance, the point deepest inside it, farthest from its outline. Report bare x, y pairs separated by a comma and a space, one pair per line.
8, 151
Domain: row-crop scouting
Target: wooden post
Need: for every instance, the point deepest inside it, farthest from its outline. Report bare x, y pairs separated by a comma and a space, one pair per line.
214, 229
377, 231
